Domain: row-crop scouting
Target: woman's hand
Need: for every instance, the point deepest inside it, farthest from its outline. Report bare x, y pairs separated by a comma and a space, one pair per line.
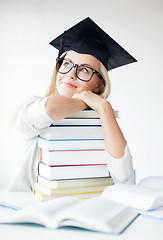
93, 100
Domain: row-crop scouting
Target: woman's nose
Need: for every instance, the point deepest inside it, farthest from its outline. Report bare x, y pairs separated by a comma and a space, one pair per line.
72, 74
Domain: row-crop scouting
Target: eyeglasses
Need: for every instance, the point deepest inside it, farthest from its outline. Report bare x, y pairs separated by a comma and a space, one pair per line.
82, 71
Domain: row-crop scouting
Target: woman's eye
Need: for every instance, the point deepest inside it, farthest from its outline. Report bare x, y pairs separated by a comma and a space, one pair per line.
66, 64
84, 70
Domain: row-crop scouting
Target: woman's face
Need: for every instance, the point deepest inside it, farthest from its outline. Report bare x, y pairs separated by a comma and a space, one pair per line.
68, 84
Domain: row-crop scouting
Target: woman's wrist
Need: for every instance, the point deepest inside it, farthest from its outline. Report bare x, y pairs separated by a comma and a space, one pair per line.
104, 106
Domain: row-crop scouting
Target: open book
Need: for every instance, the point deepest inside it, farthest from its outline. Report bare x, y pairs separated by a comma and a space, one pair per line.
146, 198
97, 214
112, 212
135, 196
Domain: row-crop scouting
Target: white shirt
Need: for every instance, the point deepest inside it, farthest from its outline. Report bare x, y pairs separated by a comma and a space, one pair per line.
31, 121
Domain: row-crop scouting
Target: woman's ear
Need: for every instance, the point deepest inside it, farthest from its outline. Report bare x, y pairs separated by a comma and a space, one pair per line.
99, 88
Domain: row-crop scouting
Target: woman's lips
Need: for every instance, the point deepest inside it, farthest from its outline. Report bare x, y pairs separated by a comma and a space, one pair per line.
68, 84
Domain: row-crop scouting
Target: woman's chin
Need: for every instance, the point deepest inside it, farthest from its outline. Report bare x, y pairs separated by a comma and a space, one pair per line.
66, 93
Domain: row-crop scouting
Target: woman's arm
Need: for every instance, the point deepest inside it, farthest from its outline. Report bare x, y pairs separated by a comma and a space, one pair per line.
59, 107
119, 157
114, 139
40, 112
115, 142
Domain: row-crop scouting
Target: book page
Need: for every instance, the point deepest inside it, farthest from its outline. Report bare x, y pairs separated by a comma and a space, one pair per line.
135, 196
152, 181
41, 213
98, 214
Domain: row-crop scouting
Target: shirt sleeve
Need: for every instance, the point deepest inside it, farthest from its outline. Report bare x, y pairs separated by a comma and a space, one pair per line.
121, 169
33, 118
26, 174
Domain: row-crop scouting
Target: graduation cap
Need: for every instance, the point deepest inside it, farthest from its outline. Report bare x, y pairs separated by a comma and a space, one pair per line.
88, 38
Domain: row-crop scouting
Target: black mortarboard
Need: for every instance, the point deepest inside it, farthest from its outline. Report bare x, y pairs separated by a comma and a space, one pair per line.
87, 37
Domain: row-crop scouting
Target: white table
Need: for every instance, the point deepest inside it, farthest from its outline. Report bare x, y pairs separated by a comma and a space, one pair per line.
142, 228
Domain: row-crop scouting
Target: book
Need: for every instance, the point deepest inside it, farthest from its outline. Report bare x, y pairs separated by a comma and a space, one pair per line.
68, 191
155, 182
135, 196
71, 144
89, 113
152, 181
55, 132
83, 196
69, 150
78, 121
45, 189
71, 172
68, 183
96, 214
73, 157
90, 117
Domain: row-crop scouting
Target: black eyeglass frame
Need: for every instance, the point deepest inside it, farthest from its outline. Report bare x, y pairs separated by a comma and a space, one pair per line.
76, 66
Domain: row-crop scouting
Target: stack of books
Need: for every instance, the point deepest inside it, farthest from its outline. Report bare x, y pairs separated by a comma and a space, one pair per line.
73, 158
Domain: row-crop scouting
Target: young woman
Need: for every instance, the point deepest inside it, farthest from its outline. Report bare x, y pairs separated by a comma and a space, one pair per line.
80, 81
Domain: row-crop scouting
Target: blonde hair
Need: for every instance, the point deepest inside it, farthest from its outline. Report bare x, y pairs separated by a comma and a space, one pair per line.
103, 71
107, 87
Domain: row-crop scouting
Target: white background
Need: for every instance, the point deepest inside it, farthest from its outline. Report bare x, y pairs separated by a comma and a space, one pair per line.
27, 61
